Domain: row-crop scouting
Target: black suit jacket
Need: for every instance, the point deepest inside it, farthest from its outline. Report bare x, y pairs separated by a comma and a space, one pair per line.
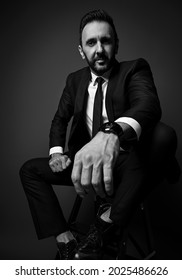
131, 93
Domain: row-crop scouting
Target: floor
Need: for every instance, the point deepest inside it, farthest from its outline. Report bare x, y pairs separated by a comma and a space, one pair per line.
167, 244
24, 244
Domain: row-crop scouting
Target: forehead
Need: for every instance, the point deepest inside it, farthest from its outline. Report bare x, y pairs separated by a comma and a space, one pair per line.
96, 29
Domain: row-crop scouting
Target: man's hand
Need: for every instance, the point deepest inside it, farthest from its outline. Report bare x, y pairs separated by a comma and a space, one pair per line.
59, 162
93, 165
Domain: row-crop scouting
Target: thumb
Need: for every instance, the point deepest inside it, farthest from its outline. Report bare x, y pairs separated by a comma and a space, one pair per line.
68, 162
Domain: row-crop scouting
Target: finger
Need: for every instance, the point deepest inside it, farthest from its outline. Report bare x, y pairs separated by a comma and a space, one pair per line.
51, 165
52, 168
99, 190
76, 178
86, 178
59, 166
108, 179
97, 181
62, 162
56, 165
68, 162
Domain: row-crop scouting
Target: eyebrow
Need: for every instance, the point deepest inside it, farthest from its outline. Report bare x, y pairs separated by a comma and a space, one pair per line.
105, 37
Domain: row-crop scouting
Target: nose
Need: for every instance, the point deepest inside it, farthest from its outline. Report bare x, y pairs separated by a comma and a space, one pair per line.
99, 48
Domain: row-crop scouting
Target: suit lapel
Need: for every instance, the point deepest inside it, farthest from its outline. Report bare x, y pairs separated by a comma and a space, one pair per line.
80, 103
82, 92
79, 134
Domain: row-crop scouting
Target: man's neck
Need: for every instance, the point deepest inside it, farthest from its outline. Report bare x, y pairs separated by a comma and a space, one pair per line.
105, 75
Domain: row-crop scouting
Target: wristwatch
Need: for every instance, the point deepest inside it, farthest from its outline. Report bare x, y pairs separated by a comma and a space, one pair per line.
112, 127
115, 128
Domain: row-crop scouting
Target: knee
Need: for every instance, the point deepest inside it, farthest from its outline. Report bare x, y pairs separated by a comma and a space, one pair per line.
26, 169
164, 139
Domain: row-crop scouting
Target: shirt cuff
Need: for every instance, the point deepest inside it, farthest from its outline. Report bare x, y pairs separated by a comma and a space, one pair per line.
133, 123
56, 149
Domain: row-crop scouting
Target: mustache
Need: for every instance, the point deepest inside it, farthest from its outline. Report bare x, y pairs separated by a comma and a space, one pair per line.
100, 56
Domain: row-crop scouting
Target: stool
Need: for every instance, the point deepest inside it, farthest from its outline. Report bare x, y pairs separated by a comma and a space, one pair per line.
126, 237
141, 244
161, 148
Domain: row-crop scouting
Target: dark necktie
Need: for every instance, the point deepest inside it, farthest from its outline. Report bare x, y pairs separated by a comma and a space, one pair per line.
97, 110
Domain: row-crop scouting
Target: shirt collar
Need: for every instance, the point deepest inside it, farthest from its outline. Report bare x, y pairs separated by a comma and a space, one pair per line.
105, 76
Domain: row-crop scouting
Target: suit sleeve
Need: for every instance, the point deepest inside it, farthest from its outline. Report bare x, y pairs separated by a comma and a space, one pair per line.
143, 104
141, 95
57, 135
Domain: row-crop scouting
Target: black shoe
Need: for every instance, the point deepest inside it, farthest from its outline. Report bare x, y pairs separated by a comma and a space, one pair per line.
66, 251
92, 246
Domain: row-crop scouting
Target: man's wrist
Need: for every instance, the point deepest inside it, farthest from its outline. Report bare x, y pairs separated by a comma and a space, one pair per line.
112, 127
115, 128
54, 155
55, 149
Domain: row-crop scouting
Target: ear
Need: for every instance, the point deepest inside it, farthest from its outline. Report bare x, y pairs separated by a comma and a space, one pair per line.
81, 51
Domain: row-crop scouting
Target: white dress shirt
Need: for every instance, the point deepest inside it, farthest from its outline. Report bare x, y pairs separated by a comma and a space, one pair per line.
92, 88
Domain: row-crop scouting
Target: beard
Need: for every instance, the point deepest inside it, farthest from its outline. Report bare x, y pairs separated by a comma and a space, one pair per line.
100, 63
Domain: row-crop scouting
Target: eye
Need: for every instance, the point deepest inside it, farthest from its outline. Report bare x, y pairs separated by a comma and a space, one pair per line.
106, 41
91, 43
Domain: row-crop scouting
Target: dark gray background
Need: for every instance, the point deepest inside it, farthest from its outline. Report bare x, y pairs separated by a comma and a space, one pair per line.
38, 50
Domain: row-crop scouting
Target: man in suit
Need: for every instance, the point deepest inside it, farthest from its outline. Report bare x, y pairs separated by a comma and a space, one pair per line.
113, 105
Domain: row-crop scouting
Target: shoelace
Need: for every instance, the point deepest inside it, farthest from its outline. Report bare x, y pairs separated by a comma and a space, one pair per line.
91, 237
65, 253
66, 256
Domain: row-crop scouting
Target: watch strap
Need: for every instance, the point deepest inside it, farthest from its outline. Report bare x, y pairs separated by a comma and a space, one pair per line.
112, 127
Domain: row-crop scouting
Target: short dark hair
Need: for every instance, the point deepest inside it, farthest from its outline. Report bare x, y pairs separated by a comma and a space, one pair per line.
97, 15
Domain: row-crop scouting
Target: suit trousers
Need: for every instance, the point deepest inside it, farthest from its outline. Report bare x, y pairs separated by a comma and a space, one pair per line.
37, 179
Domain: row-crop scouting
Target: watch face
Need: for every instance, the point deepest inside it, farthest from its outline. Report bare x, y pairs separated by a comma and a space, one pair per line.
107, 127
111, 127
